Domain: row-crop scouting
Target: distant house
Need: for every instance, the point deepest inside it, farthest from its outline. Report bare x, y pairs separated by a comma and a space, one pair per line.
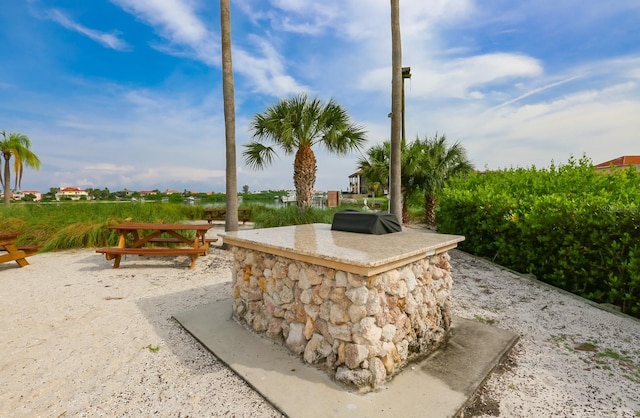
72, 193
356, 186
20, 194
147, 192
620, 162
172, 191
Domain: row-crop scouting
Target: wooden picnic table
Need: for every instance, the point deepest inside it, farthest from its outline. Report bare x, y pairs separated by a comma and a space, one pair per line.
220, 214
13, 253
138, 238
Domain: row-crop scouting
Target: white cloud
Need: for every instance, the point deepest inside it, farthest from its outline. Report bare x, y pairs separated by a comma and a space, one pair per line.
175, 174
535, 91
600, 123
108, 167
295, 16
266, 72
153, 140
459, 77
109, 40
176, 20
179, 23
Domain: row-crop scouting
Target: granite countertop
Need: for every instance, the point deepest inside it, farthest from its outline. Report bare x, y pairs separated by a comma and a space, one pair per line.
366, 253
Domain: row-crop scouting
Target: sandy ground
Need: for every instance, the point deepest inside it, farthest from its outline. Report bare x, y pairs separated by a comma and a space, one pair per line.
573, 358
78, 338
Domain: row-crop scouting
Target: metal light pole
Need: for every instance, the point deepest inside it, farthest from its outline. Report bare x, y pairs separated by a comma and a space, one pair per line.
406, 73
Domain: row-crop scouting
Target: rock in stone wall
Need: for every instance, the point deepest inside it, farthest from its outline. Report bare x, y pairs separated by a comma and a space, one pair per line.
361, 329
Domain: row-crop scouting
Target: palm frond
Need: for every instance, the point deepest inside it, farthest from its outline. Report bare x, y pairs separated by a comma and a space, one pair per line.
258, 156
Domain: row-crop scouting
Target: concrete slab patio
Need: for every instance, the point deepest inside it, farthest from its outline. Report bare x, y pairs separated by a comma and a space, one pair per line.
438, 386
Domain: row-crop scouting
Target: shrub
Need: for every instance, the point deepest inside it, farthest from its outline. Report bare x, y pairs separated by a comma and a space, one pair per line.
569, 226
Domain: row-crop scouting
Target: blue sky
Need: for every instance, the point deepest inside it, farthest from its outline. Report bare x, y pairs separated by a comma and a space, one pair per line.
127, 93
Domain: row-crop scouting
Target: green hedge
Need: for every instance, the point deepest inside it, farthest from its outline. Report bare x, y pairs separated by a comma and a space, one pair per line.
569, 226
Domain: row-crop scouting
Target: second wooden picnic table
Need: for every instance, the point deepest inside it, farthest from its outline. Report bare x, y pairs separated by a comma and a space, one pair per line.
135, 237
8, 245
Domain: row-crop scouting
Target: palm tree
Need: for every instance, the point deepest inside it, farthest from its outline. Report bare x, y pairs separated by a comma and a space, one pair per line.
231, 185
375, 166
17, 145
426, 166
296, 125
395, 193
431, 163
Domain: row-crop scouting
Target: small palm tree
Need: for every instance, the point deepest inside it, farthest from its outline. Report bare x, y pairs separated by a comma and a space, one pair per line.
426, 165
375, 168
17, 145
432, 163
296, 125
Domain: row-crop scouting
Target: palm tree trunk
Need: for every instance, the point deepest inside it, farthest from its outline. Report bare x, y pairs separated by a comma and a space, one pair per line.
304, 175
405, 210
7, 182
231, 185
430, 202
405, 213
396, 111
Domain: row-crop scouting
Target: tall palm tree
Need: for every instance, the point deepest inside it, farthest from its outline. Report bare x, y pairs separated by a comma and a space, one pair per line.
296, 125
228, 93
432, 162
17, 145
396, 112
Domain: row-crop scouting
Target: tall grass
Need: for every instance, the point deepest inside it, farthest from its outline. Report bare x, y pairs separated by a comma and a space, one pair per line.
67, 225
265, 217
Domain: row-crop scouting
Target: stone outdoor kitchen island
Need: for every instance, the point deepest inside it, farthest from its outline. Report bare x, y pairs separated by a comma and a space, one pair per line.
358, 305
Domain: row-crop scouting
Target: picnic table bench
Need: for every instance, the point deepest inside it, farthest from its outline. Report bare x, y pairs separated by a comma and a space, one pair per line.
172, 240
116, 253
144, 234
220, 214
13, 252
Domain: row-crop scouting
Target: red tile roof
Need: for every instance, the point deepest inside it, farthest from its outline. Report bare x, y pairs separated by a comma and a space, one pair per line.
622, 161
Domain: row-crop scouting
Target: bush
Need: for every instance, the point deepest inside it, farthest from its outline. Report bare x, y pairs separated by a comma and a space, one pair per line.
569, 226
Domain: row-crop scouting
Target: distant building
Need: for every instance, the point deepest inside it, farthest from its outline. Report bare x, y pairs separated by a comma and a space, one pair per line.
620, 162
23, 193
20, 194
147, 192
356, 185
72, 193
